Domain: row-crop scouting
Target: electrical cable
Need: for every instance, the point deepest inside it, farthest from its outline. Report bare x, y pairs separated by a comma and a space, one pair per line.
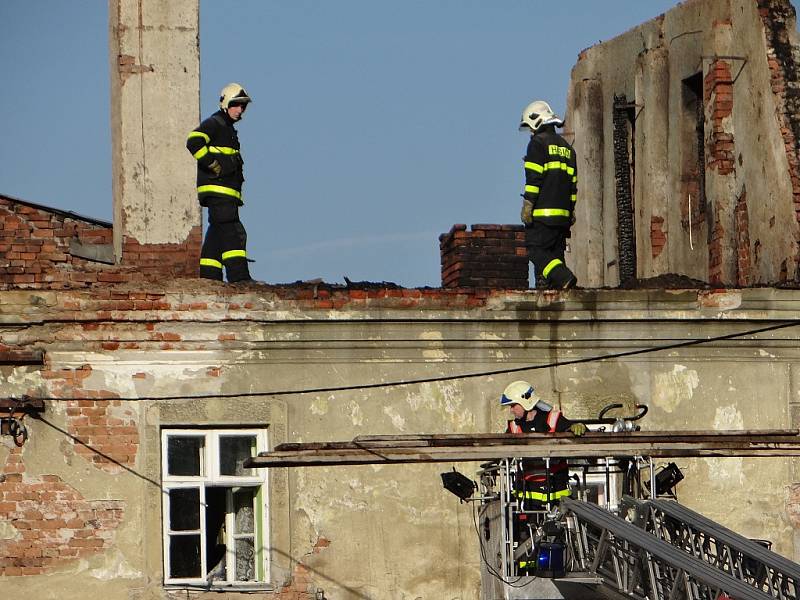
367, 386
492, 571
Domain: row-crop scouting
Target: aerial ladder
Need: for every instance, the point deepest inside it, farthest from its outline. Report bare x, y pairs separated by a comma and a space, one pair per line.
600, 543
618, 535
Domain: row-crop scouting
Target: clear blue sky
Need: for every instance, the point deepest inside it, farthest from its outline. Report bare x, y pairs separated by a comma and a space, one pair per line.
375, 126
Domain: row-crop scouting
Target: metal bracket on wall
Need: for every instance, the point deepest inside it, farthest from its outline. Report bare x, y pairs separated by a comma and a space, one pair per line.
12, 414
723, 57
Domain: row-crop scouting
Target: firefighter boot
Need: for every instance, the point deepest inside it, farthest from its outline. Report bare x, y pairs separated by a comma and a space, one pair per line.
561, 278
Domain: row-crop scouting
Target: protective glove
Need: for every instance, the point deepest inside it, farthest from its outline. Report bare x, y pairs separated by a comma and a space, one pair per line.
526, 215
577, 429
215, 168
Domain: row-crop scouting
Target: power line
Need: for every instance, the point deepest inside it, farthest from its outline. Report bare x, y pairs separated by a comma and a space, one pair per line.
369, 386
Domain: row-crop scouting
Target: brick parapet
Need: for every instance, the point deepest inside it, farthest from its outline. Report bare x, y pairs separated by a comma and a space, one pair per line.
35, 252
484, 256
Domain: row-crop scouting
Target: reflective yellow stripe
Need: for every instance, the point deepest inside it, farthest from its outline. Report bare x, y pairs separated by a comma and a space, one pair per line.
541, 496
555, 165
574, 197
222, 150
550, 266
201, 153
558, 165
550, 212
234, 254
533, 189
200, 134
534, 167
218, 189
210, 262
575, 179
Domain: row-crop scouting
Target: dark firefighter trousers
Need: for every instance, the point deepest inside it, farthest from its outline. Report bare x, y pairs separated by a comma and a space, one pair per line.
546, 247
225, 242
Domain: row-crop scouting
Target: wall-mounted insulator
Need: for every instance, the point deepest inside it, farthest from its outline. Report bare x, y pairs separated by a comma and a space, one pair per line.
12, 413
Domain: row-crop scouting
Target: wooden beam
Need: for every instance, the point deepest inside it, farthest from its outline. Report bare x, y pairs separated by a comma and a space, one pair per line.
482, 447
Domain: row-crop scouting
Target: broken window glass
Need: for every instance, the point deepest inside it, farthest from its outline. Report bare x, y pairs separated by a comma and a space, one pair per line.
233, 451
211, 525
185, 455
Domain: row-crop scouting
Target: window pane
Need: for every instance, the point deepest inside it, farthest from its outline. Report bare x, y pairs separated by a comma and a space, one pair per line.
184, 509
184, 455
245, 560
184, 556
233, 451
243, 509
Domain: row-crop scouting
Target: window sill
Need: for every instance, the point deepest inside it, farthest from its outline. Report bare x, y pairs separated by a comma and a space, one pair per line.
222, 587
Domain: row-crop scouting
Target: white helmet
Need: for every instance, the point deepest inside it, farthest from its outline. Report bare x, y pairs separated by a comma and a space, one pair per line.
519, 392
233, 93
537, 114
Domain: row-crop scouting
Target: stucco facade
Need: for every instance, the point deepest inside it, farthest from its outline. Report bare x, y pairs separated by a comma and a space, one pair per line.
83, 496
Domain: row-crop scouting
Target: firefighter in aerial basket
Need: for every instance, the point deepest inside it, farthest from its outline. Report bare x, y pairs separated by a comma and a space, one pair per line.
537, 484
532, 414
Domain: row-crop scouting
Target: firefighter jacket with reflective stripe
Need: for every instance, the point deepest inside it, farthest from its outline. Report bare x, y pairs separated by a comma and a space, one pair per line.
534, 477
551, 178
542, 422
216, 139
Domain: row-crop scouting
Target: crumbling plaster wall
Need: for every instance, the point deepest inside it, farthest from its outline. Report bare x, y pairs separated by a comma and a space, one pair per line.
745, 153
367, 532
155, 81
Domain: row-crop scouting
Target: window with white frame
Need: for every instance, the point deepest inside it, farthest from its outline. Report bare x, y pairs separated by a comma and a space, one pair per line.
215, 511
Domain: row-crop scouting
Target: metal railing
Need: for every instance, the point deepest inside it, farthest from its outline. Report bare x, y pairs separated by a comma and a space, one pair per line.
744, 559
637, 564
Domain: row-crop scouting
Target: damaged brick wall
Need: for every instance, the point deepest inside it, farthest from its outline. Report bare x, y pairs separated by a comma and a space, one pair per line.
783, 58
743, 262
34, 246
47, 523
718, 97
489, 256
35, 250
51, 525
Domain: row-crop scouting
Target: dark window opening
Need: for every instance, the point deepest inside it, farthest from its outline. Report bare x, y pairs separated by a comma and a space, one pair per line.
695, 210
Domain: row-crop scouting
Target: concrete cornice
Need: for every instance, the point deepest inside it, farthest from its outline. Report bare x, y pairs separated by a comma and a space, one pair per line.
204, 303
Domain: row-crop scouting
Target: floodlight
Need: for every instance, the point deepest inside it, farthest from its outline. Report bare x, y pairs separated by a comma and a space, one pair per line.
458, 484
667, 478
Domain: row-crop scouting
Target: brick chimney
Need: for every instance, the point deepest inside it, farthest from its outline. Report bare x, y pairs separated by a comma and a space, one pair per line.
489, 256
155, 77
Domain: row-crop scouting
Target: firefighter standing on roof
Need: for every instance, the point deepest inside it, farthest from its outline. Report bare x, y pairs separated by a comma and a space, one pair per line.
215, 146
551, 187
